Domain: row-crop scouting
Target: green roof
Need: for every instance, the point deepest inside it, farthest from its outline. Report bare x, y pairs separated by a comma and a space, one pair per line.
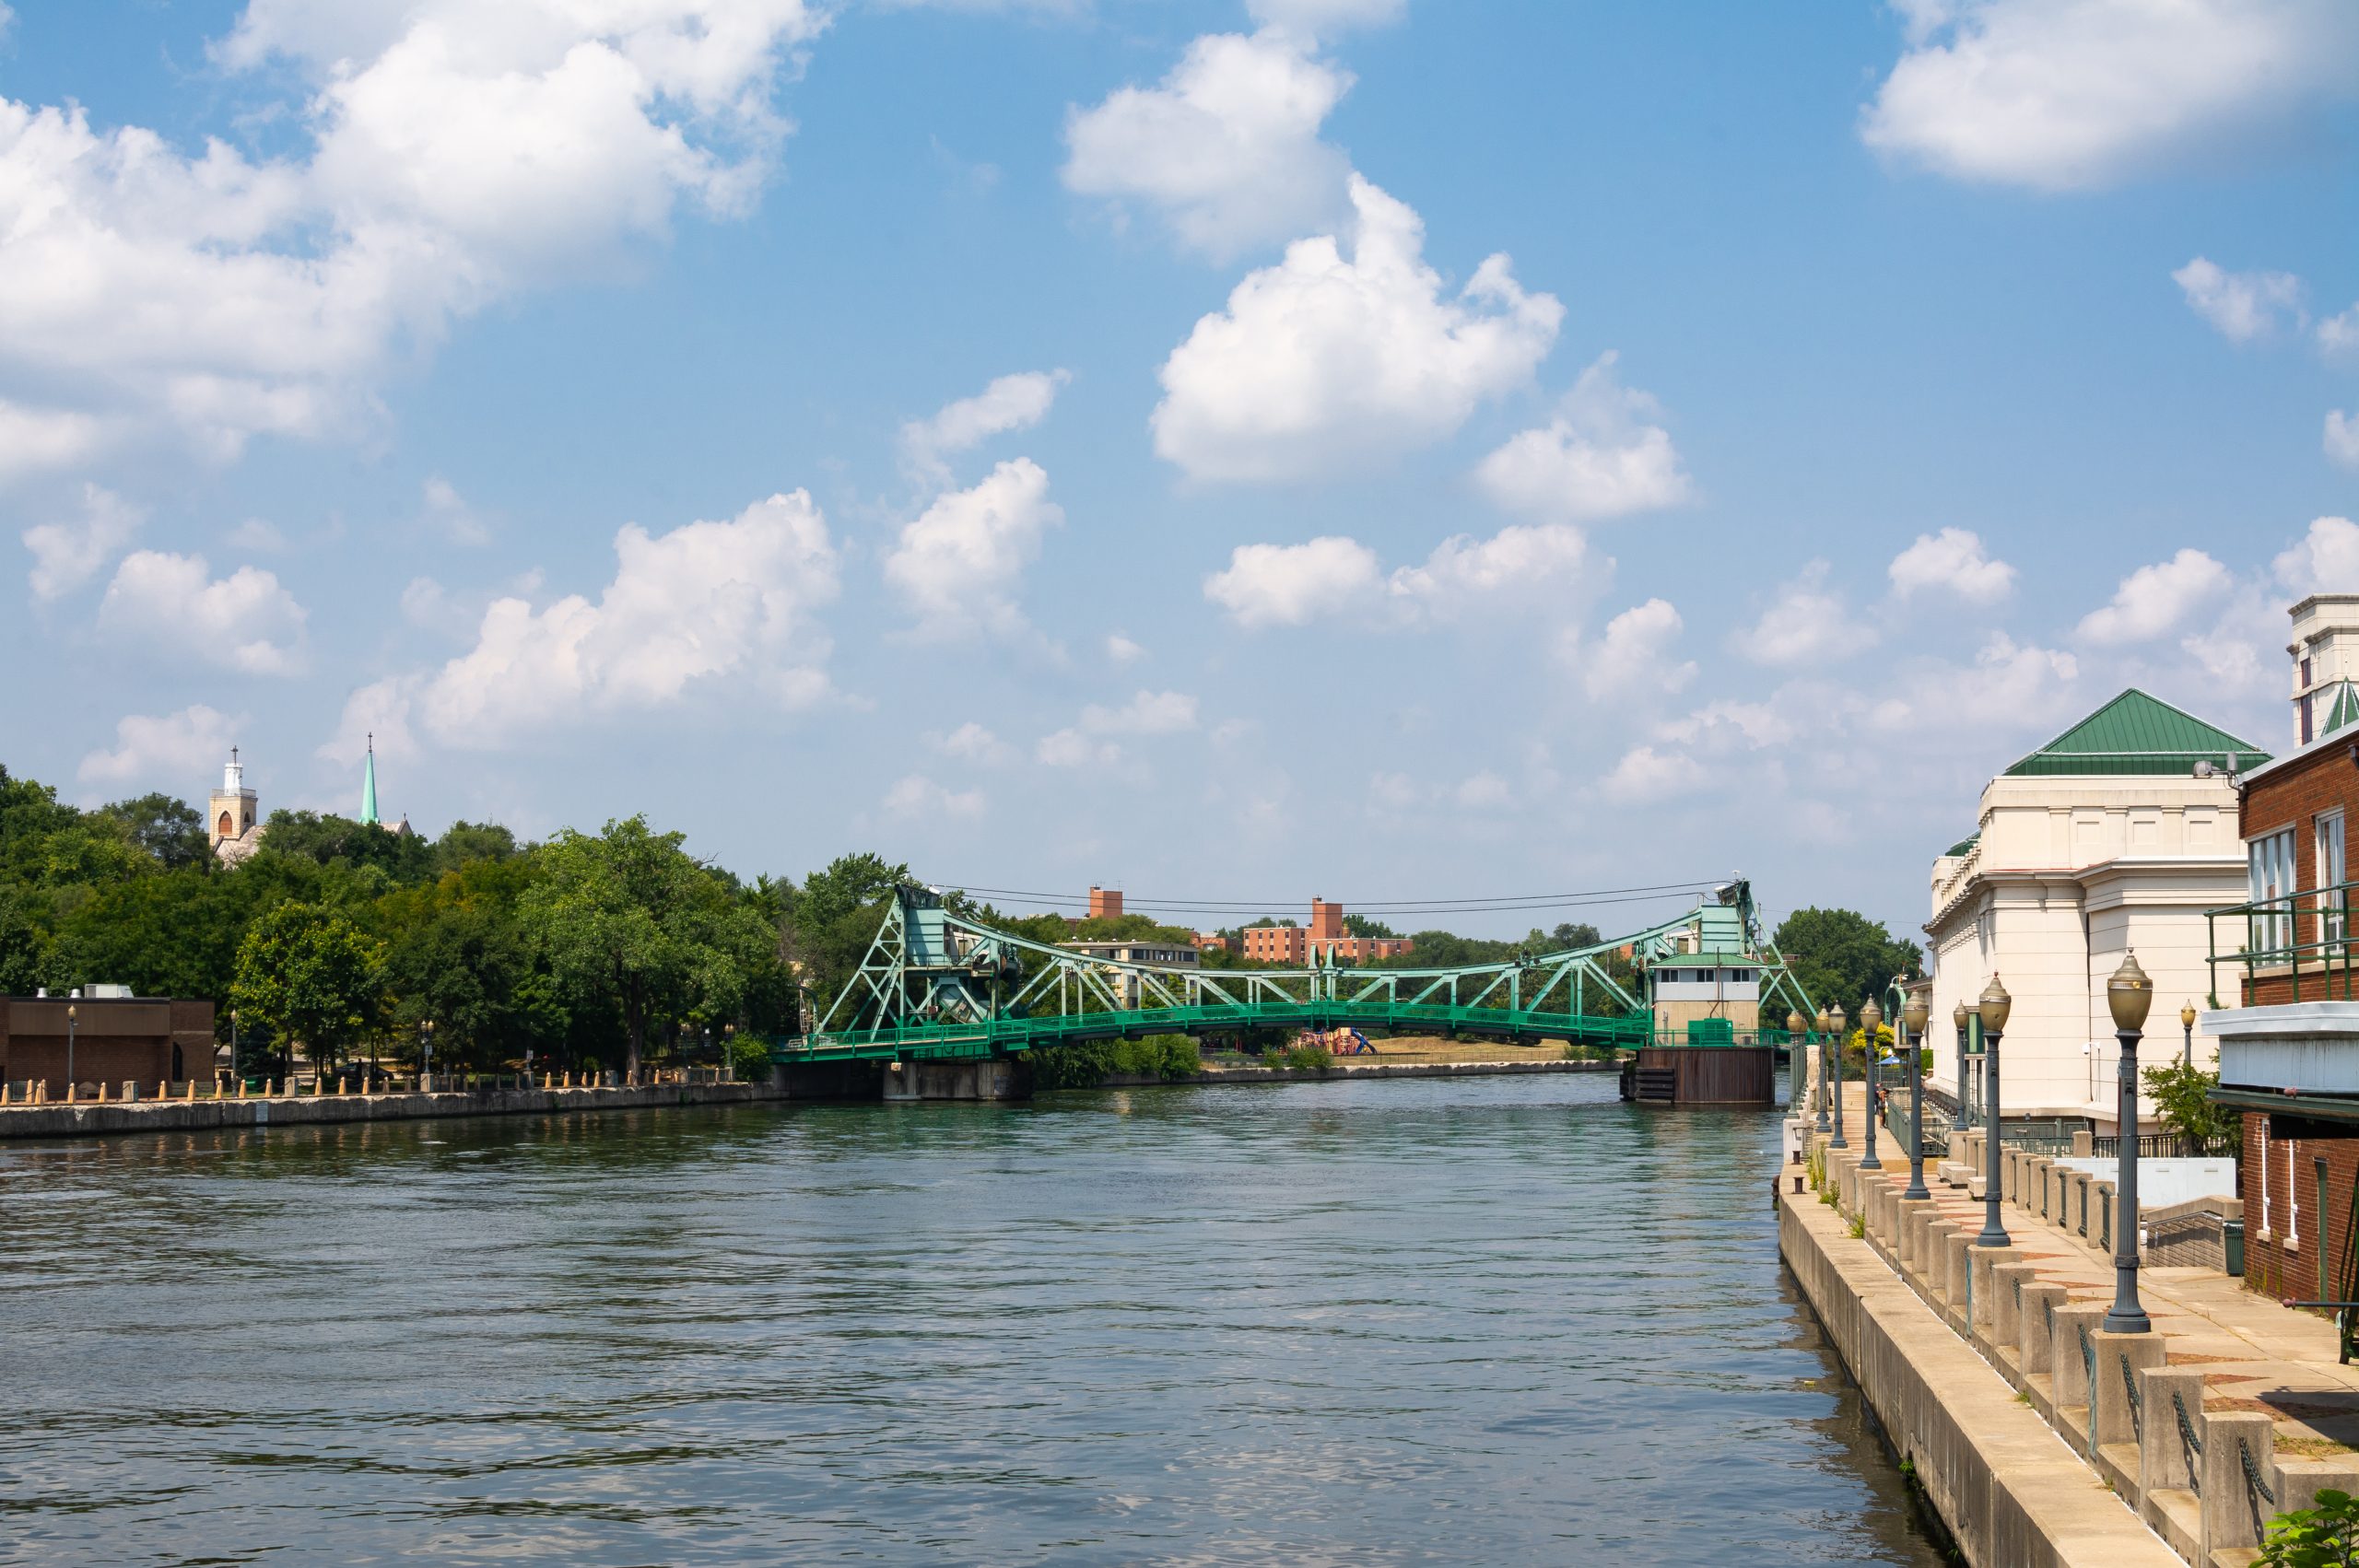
2135, 733
2343, 710
1961, 846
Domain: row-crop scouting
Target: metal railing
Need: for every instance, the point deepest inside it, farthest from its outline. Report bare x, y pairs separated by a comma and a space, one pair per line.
2303, 938
2170, 1146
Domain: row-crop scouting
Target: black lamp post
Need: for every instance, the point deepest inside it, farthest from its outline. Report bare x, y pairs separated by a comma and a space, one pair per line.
1996, 1004
1798, 1024
425, 1052
1959, 1017
729, 1052
1913, 1015
2128, 995
2186, 1022
1833, 1018
70, 1025
233, 1048
1871, 1020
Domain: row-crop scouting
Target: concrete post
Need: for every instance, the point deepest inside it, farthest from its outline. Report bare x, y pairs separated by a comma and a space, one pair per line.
1933, 1253
2299, 1481
1983, 1261
2120, 1358
1957, 1275
2041, 1302
2082, 1144
2008, 1282
2163, 1462
2070, 1366
2232, 1515
1908, 1224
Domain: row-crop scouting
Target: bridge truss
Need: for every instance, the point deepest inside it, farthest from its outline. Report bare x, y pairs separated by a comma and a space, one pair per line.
938, 984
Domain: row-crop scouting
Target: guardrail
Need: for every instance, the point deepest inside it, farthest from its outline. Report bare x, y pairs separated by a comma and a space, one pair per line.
2303, 939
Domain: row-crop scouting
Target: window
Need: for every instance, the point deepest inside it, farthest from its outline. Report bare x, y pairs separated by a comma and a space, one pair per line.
2271, 860
2332, 904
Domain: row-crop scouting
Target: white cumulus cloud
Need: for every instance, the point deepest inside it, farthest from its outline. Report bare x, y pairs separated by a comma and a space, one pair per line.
1634, 656
959, 564
2326, 561
1645, 773
69, 553
1227, 147
245, 621
167, 751
1320, 361
918, 796
2242, 305
2155, 600
1010, 403
2060, 95
1953, 561
705, 600
1601, 456
1287, 585
2342, 441
1279, 585
1806, 621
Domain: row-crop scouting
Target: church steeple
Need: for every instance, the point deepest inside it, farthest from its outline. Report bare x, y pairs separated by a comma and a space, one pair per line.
369, 783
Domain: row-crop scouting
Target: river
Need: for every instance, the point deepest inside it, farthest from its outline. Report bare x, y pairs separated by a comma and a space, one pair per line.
1475, 1320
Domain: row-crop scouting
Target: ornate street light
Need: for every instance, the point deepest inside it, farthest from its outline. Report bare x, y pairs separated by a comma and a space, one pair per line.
728, 1052
1996, 1004
1913, 1015
1824, 1125
2186, 1022
1796, 1056
1835, 1032
424, 1053
2128, 995
1871, 1020
233, 1048
1959, 1017
70, 1025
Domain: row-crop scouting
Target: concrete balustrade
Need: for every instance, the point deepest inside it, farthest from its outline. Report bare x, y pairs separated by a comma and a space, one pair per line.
2008, 1282
2070, 1365
2040, 1304
1983, 1261
2119, 1359
1957, 1275
2163, 1462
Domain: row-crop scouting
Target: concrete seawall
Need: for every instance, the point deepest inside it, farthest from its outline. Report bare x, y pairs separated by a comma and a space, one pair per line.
87, 1117
1996, 1473
1346, 1071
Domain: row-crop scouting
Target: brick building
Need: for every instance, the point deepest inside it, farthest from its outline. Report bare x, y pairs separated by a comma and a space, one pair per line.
2286, 1018
1324, 940
115, 1039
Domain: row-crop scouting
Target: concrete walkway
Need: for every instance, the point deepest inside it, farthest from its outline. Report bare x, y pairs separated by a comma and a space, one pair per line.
2261, 1378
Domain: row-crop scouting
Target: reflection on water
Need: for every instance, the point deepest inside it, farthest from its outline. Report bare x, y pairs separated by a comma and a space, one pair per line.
1476, 1320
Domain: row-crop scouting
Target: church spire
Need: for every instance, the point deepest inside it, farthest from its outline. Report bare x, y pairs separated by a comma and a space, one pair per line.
369, 783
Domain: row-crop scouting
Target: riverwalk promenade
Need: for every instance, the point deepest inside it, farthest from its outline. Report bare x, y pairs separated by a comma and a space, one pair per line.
2041, 1438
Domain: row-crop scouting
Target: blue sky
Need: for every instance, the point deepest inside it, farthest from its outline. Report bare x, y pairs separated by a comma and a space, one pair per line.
1353, 446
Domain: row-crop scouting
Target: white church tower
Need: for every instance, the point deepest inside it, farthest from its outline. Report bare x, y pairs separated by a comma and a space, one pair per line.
233, 825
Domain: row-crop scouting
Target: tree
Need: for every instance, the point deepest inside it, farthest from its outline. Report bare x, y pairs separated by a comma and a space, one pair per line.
308, 974
1360, 925
2183, 1095
630, 919
171, 831
1842, 956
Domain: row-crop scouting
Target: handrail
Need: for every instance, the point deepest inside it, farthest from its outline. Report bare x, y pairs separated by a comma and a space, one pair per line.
2309, 929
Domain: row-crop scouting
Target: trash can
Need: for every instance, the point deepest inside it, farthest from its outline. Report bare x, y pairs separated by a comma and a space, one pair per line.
2232, 1242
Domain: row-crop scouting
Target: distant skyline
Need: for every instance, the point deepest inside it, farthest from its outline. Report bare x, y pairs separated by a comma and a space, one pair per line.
1362, 447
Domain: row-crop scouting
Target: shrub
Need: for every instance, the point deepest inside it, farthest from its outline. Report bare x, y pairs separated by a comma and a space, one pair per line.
2323, 1536
2183, 1095
1311, 1058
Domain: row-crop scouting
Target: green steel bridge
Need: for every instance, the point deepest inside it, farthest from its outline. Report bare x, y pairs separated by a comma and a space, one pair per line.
937, 986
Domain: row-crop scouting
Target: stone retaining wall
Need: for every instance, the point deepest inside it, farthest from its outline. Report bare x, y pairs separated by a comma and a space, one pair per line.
85, 1118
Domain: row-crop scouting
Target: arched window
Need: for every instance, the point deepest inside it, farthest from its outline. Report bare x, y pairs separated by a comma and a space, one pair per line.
225, 831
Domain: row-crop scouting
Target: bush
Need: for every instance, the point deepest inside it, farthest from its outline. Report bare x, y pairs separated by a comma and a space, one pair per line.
2323, 1536
1089, 1063
1310, 1058
2183, 1095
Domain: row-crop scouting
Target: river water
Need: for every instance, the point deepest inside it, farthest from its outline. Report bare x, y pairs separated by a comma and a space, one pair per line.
1480, 1320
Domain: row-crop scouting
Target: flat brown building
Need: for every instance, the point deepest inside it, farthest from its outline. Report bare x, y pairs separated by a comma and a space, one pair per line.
115, 1039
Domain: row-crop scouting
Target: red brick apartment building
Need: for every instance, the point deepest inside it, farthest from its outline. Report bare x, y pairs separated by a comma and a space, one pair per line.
1324, 938
2288, 1006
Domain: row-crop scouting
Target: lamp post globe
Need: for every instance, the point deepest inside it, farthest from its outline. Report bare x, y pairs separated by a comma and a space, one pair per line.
2129, 996
1871, 1020
1834, 1034
1995, 1006
1913, 1016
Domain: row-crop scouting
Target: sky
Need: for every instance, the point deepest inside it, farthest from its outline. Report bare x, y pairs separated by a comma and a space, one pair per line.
1230, 451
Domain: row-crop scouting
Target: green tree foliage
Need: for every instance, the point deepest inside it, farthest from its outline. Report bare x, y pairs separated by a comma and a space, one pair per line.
309, 975
2183, 1096
630, 920
169, 831
1842, 956
1361, 925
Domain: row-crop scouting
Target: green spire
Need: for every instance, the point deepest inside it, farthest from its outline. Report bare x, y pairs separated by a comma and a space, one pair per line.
369, 784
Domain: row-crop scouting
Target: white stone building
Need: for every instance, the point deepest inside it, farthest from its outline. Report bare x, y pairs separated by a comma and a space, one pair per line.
2119, 833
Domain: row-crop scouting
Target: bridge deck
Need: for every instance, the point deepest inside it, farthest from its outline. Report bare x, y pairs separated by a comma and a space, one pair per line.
1005, 1036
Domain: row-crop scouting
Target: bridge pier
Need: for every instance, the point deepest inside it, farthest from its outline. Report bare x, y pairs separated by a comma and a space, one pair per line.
908, 1082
